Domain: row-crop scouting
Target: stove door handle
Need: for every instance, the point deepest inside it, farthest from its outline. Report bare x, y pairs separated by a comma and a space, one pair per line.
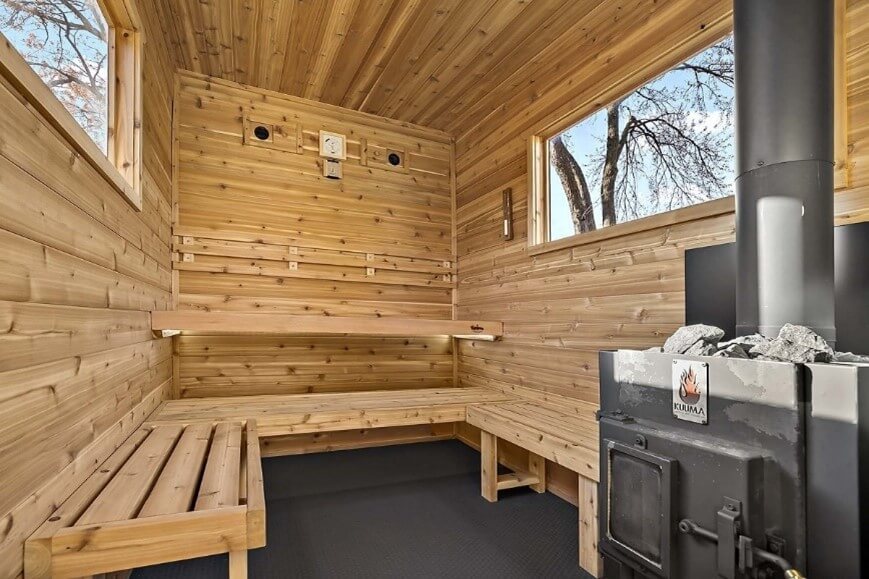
745, 550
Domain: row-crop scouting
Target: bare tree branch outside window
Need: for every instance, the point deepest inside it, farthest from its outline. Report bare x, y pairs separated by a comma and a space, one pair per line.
66, 43
665, 146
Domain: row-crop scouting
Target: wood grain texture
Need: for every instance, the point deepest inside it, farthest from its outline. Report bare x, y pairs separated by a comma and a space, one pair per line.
256, 323
79, 368
174, 490
561, 307
560, 481
280, 415
395, 58
566, 439
232, 365
137, 509
352, 439
589, 556
260, 230
264, 223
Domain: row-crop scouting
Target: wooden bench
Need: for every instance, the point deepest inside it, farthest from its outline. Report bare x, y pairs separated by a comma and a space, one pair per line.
170, 492
278, 414
189, 482
566, 436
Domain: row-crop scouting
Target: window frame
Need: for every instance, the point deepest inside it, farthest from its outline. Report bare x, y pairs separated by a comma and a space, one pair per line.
121, 165
538, 241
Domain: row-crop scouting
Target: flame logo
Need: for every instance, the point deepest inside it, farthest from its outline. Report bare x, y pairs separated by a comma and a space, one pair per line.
689, 389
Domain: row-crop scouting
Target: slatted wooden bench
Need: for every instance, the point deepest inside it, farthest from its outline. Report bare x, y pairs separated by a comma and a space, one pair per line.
170, 492
278, 415
565, 435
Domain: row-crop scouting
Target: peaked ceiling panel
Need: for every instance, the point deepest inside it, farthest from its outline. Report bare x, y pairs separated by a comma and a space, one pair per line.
395, 58
446, 64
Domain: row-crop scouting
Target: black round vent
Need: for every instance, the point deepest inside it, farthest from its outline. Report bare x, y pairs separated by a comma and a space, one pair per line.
262, 133
394, 159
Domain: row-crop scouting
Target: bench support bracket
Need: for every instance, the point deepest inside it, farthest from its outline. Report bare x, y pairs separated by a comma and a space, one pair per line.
238, 564
491, 482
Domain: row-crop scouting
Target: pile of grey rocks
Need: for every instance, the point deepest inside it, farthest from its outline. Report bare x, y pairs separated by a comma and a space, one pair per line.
797, 344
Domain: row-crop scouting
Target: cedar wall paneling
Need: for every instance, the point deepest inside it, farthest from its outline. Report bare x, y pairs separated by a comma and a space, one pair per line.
80, 270
561, 308
261, 230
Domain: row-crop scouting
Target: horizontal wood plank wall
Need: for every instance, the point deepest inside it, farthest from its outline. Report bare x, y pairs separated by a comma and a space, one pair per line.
261, 230
235, 365
561, 308
79, 369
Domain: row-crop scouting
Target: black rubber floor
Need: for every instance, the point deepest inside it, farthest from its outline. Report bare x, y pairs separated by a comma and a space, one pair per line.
401, 511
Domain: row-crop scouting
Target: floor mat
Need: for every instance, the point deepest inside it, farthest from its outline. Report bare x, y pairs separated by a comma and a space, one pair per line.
398, 512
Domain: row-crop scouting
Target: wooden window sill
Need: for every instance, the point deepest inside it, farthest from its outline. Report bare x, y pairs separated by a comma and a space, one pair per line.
700, 211
18, 73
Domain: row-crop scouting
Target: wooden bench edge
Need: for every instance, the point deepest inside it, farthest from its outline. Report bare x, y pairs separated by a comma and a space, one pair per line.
479, 417
117, 546
256, 501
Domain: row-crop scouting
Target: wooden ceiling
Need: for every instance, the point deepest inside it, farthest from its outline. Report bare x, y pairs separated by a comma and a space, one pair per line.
423, 61
446, 64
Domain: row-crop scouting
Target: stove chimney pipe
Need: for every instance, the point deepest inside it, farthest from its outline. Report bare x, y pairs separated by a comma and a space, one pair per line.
784, 165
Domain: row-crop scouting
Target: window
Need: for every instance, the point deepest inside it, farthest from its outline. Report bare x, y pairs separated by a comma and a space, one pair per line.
66, 43
83, 55
667, 145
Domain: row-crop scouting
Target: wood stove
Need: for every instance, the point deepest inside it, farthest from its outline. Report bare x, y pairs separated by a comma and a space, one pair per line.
750, 468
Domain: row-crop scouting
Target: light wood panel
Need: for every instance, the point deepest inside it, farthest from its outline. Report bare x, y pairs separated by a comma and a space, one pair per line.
268, 217
352, 439
559, 480
79, 368
280, 415
260, 230
566, 439
138, 508
439, 63
245, 323
562, 306
229, 365
395, 58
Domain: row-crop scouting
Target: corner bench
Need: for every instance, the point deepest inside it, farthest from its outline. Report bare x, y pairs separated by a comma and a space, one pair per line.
189, 482
169, 492
566, 436
284, 414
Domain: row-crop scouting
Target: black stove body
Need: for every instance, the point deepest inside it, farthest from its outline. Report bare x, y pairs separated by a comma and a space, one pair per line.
767, 478
720, 497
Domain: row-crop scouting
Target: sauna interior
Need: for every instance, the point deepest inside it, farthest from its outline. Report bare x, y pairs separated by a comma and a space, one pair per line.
327, 288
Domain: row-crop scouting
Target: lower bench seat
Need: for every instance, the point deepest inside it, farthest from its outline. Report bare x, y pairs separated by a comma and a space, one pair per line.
170, 492
189, 482
546, 430
564, 435
278, 415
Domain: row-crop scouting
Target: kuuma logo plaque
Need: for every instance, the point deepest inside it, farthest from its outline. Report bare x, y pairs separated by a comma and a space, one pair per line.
691, 390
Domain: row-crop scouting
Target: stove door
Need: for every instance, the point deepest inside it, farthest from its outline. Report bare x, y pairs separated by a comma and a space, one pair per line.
656, 481
639, 498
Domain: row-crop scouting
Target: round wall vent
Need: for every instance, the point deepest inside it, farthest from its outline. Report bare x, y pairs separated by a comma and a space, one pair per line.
394, 159
261, 132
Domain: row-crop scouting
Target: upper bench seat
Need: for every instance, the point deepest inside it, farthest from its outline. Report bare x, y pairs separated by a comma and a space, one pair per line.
293, 324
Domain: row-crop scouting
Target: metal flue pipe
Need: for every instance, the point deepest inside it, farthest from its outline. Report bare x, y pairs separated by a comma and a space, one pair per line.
784, 165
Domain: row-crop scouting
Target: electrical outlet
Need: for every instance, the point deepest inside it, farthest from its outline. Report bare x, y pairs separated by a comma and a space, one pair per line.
332, 169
